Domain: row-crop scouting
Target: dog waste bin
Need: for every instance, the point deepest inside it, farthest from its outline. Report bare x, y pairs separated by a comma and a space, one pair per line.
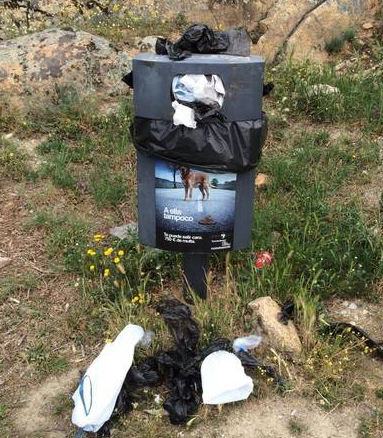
196, 175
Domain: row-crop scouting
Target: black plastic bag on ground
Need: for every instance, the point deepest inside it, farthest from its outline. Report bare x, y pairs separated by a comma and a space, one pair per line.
341, 327
182, 327
215, 145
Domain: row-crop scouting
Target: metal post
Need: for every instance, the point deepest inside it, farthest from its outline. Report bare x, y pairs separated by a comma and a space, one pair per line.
195, 268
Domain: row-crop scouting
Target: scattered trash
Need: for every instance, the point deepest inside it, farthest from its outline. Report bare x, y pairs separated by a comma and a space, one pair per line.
224, 379
96, 396
179, 369
262, 259
246, 343
202, 39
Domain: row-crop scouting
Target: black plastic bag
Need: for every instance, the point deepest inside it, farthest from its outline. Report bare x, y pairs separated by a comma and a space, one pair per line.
183, 328
179, 369
287, 313
214, 145
196, 39
200, 38
340, 327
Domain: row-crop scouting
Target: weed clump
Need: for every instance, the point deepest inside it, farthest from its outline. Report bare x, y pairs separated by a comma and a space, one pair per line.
336, 44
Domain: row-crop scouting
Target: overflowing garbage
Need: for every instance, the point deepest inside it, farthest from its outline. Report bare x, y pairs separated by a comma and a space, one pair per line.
200, 38
213, 375
196, 97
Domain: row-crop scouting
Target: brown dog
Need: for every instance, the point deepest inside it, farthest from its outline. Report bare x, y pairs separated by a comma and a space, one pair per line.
191, 179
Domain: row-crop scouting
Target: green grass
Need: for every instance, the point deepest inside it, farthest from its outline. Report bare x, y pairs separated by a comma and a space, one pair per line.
337, 43
66, 237
296, 427
13, 162
12, 285
3, 411
44, 360
325, 244
359, 100
371, 425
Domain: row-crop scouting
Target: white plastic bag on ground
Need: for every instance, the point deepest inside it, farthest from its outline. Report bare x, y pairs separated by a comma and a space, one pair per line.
97, 393
224, 379
246, 343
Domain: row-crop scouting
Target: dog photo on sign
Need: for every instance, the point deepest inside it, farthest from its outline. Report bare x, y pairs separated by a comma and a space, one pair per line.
191, 200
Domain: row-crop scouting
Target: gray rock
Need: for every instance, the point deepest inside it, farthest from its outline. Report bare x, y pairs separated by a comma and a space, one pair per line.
147, 44
123, 231
283, 338
322, 89
46, 64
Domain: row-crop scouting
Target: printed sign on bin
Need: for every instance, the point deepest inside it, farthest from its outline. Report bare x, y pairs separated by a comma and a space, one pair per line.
195, 209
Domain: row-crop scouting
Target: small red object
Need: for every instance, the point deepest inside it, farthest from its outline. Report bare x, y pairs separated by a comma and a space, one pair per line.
262, 259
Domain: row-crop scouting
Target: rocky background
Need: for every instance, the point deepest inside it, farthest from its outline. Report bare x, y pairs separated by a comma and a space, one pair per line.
47, 48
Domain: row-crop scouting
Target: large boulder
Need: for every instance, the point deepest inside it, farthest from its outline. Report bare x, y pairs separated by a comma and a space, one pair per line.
41, 64
300, 29
281, 337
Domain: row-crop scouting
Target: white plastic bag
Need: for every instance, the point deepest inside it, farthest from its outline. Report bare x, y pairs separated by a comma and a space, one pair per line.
195, 88
97, 393
183, 115
224, 379
246, 343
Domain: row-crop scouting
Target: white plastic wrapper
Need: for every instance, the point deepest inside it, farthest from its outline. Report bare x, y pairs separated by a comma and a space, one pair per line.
97, 393
224, 379
195, 88
246, 343
183, 115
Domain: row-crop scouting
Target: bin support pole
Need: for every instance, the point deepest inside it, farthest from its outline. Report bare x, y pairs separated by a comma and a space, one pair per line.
195, 269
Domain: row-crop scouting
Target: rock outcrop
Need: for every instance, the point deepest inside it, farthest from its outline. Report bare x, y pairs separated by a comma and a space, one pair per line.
301, 29
43, 64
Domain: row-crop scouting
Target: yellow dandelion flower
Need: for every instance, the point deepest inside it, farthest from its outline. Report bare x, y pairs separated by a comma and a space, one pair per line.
106, 272
108, 251
120, 252
98, 237
91, 252
91, 268
11, 154
141, 301
116, 260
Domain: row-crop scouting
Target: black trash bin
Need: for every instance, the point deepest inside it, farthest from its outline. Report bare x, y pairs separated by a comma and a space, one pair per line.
196, 186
